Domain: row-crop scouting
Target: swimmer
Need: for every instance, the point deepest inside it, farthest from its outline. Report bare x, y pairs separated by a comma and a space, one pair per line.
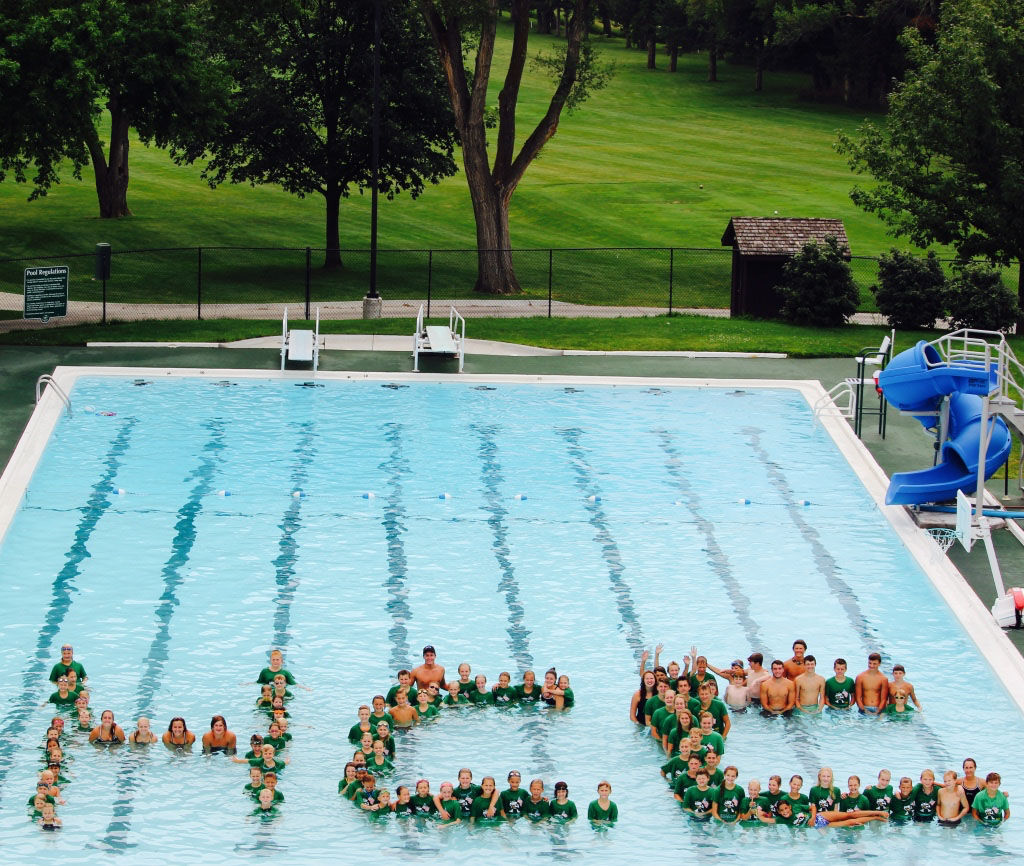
466, 684
970, 783
384, 735
728, 803
900, 683
481, 694
448, 808
839, 688
699, 799
795, 666
270, 781
404, 714
991, 806
685, 781
824, 795
456, 697
48, 819
528, 692
267, 761
363, 726
366, 746
177, 735
899, 708
48, 779
603, 809
953, 803
736, 695
428, 672
562, 808
280, 685
277, 666
853, 800
423, 800
926, 798
466, 792
255, 783
709, 738
682, 723
880, 794
73, 685
513, 797
84, 713
368, 798
255, 747
404, 682
799, 802
550, 693
37, 802
710, 704
647, 690
700, 674
810, 688
403, 805
426, 709
715, 776
537, 807
142, 735
677, 764
277, 708
871, 688
63, 697
265, 806
901, 804
66, 663
485, 805
348, 777
753, 798
58, 723
107, 732
377, 762
849, 819
433, 693
264, 701
778, 694
663, 717
673, 674
768, 801
380, 713
504, 692
219, 738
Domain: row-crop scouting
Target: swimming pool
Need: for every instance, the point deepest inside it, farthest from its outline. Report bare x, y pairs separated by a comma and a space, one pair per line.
212, 517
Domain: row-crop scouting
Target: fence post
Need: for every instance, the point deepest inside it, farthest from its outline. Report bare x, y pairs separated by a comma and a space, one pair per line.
199, 284
551, 259
671, 267
309, 259
430, 277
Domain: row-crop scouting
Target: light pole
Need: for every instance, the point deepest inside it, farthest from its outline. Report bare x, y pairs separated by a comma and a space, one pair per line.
372, 302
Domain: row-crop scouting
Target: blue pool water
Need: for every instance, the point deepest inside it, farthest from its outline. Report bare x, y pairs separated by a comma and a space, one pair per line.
633, 530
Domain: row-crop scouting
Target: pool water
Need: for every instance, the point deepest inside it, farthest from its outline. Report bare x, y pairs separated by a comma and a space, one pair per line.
178, 528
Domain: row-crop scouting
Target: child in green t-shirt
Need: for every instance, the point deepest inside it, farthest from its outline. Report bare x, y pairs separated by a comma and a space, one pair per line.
991, 806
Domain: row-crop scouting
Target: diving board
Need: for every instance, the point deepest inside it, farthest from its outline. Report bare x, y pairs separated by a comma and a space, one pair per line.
300, 345
438, 339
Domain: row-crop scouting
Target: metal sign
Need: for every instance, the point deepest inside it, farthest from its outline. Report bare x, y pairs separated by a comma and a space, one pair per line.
46, 292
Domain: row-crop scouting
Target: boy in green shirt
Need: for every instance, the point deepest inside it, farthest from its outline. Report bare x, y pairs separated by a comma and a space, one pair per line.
839, 688
991, 806
404, 682
562, 808
603, 809
699, 797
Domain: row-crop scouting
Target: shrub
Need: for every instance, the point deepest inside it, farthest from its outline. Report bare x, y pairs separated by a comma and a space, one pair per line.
817, 286
911, 291
977, 297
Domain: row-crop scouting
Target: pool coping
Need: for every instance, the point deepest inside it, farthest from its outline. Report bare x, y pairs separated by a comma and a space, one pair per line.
992, 643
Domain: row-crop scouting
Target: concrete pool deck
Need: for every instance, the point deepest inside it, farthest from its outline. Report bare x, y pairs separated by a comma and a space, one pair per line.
905, 446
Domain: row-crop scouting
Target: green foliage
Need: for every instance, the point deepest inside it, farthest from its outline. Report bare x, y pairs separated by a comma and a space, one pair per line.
949, 163
976, 297
817, 286
592, 75
911, 290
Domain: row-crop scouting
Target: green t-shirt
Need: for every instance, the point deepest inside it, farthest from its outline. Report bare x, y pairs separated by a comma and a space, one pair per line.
652, 705
277, 742
427, 712
716, 778
660, 714
454, 810
878, 798
769, 802
717, 709
463, 700
480, 806
423, 805
568, 698
524, 697
900, 809
368, 798
343, 786
385, 767
404, 810
801, 804
695, 683
563, 811
465, 688
824, 799
466, 796
990, 809
383, 717
674, 766
392, 697
59, 669
839, 695
536, 811
49, 799
482, 698
504, 696
730, 803
512, 802
259, 762
853, 804
596, 813
68, 701
351, 789
925, 803
267, 676
683, 782
699, 802
891, 713
355, 733
714, 742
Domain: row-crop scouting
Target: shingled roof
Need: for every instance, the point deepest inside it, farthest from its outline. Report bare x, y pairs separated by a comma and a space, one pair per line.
780, 236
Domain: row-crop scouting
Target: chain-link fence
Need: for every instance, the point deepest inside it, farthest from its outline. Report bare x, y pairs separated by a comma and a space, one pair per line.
257, 283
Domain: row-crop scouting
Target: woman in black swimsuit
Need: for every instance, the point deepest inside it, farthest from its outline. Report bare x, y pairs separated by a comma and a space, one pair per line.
107, 732
969, 782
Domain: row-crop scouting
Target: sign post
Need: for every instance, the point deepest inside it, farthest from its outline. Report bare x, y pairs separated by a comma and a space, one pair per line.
46, 292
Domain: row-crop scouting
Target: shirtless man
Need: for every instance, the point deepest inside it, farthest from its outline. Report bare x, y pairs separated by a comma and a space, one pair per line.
871, 688
900, 684
404, 714
810, 688
756, 674
795, 666
428, 672
778, 694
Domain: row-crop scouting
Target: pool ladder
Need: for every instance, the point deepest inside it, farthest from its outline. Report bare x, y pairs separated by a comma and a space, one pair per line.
47, 379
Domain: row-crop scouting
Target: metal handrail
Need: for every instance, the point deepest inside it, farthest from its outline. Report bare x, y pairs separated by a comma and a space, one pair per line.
47, 379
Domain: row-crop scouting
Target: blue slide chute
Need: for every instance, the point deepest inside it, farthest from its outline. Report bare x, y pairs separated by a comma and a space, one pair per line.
916, 381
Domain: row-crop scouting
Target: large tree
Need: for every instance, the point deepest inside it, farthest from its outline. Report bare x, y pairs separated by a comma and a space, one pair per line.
62, 63
491, 186
300, 112
949, 161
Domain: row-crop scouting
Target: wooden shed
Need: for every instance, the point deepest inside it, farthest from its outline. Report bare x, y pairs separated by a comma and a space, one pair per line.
760, 247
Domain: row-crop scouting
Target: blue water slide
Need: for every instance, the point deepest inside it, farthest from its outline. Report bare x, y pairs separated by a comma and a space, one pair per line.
917, 380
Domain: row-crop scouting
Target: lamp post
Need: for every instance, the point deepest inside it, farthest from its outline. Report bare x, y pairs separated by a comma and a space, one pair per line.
372, 303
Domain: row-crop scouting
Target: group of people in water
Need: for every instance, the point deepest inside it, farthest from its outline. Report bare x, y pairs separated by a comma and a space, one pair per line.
417, 698
692, 732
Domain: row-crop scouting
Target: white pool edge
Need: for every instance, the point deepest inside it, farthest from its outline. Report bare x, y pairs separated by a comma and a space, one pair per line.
1001, 655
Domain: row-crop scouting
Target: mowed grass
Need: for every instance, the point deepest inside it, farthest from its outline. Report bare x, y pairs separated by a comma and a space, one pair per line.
624, 170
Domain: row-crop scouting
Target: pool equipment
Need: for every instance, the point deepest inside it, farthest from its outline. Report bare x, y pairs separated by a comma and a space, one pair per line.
438, 339
302, 346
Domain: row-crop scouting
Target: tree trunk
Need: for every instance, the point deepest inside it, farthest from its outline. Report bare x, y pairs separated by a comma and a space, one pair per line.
673, 58
495, 273
652, 50
759, 67
112, 174
713, 63
606, 24
332, 195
